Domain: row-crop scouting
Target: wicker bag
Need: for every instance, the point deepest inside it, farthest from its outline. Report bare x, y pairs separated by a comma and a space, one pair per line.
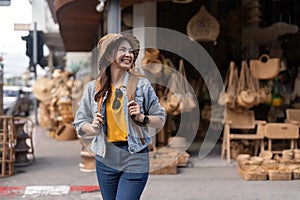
265, 95
228, 94
187, 101
178, 96
265, 67
246, 88
263, 92
170, 101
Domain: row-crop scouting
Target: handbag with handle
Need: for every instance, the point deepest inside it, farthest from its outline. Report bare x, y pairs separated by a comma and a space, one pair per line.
246, 88
265, 67
178, 97
228, 94
187, 101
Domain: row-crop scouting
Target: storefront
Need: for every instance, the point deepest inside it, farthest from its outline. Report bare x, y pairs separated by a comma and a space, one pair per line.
236, 31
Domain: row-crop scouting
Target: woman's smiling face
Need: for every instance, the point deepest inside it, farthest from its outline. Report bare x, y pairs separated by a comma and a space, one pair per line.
124, 56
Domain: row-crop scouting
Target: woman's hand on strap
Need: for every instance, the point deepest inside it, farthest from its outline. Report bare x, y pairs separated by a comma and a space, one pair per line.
135, 110
95, 126
97, 121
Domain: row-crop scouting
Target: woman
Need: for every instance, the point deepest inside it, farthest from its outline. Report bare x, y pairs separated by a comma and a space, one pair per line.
118, 123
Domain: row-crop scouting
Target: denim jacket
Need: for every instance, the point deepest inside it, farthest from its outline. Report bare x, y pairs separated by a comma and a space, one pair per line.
145, 97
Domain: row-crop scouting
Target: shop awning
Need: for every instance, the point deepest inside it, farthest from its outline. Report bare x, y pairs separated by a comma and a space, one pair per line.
79, 22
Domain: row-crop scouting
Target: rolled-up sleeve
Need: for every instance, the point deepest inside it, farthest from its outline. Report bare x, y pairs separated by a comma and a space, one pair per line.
84, 114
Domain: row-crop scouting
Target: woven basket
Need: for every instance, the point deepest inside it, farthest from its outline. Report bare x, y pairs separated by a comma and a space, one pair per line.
163, 161
163, 166
203, 27
266, 155
183, 160
255, 175
296, 174
277, 175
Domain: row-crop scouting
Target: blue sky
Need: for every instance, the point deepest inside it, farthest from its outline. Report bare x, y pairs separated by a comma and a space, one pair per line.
11, 45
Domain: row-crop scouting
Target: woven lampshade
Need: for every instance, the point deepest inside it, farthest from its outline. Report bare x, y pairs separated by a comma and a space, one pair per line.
203, 27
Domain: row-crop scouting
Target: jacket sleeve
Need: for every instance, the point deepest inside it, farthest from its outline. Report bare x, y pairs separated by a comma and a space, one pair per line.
84, 113
151, 103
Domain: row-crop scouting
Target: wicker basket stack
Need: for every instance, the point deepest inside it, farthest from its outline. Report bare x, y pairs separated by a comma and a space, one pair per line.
269, 167
166, 160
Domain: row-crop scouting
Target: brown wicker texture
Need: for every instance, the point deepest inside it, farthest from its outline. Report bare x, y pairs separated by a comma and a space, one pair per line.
163, 165
203, 26
278, 175
296, 174
183, 160
228, 94
256, 175
166, 161
7, 143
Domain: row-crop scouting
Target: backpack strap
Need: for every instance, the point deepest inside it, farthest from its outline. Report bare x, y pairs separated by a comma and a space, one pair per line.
131, 86
130, 90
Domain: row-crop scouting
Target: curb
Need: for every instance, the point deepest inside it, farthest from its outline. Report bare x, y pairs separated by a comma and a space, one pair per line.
13, 191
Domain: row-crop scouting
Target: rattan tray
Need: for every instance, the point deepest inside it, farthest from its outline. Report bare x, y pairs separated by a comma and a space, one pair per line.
252, 175
277, 175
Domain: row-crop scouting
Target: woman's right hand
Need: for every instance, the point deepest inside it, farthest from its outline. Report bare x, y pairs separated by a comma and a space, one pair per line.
97, 121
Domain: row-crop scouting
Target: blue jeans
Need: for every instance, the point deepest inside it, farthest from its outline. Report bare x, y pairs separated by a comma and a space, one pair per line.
121, 175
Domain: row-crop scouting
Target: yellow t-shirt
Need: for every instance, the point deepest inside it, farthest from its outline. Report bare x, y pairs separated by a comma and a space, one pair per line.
116, 122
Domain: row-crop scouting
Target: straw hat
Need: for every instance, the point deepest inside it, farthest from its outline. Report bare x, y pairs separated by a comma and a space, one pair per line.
107, 42
42, 89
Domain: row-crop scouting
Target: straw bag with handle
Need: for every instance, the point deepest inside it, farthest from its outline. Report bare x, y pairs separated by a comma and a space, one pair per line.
169, 100
246, 89
262, 90
178, 97
264, 94
187, 100
265, 67
228, 95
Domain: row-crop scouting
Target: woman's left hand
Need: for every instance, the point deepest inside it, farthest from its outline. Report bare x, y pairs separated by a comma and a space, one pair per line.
134, 109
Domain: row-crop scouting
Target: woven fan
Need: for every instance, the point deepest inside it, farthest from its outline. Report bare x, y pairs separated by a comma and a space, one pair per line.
203, 27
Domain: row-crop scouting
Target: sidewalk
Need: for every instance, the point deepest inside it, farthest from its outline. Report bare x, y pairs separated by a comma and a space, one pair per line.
56, 175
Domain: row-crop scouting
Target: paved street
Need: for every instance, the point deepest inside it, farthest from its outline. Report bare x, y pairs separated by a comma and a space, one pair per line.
57, 165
